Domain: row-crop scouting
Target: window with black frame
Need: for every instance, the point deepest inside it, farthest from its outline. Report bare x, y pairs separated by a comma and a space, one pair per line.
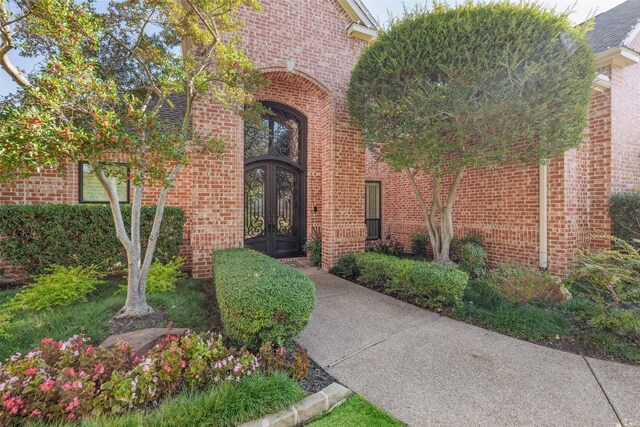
91, 191
373, 210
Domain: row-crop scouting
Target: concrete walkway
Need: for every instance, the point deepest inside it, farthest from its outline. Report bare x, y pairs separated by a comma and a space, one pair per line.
429, 370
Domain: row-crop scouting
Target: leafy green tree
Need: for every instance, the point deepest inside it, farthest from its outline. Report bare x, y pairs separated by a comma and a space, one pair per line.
104, 78
477, 85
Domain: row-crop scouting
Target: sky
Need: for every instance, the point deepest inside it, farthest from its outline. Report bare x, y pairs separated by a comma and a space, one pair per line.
380, 10
583, 8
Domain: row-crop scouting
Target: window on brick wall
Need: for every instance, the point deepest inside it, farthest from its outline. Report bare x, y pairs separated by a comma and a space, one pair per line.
91, 190
372, 210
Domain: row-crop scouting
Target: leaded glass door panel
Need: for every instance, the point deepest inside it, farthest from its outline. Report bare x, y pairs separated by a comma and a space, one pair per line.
274, 198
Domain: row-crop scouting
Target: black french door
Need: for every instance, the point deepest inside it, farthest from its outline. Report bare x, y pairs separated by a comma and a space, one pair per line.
274, 184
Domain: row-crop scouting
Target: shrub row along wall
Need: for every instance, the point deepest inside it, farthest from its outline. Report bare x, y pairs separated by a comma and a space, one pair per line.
35, 236
625, 217
260, 298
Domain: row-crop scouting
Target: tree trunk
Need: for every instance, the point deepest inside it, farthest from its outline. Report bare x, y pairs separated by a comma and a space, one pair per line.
440, 232
136, 304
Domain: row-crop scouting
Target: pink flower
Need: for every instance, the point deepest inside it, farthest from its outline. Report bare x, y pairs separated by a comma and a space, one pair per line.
167, 368
73, 404
35, 413
48, 385
184, 364
31, 372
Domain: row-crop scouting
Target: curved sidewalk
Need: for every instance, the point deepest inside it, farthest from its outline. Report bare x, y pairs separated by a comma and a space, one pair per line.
429, 370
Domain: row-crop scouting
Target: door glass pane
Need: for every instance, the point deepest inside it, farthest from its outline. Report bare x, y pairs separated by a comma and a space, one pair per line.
278, 136
254, 203
286, 202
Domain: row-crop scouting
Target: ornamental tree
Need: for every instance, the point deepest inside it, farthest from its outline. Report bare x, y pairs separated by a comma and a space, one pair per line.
476, 85
104, 78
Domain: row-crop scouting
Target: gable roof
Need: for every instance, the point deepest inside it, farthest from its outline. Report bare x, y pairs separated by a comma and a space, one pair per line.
615, 27
359, 13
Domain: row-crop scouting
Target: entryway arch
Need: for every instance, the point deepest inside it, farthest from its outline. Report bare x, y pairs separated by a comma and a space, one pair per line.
275, 166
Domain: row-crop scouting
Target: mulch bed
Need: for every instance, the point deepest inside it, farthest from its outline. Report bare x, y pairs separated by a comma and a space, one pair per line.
317, 379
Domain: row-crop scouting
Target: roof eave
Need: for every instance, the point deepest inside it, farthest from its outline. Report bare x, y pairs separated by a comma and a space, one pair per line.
620, 55
361, 32
355, 13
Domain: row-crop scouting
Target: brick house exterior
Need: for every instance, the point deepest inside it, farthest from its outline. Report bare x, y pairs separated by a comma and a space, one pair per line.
307, 49
506, 205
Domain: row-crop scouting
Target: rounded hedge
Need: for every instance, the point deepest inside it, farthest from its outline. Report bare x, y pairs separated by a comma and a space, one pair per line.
260, 298
480, 83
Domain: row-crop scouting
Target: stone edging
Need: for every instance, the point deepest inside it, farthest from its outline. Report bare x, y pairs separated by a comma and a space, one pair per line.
306, 409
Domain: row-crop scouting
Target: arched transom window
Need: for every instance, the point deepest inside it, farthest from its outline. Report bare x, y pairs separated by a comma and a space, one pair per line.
278, 136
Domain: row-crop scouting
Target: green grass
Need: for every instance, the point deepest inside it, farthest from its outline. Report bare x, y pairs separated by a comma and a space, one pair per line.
356, 412
542, 321
227, 404
185, 308
521, 321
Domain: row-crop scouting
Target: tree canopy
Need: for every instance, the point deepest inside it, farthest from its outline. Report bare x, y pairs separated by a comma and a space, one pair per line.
479, 84
104, 78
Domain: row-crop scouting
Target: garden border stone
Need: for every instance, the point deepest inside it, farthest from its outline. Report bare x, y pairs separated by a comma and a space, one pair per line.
312, 405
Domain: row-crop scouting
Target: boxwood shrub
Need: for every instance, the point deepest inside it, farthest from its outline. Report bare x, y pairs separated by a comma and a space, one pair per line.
435, 285
624, 209
36, 236
260, 298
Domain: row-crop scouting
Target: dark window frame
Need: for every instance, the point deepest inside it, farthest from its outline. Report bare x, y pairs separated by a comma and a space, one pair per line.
93, 202
379, 219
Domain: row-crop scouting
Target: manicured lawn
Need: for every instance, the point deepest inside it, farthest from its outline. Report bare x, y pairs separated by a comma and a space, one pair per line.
226, 404
184, 308
356, 412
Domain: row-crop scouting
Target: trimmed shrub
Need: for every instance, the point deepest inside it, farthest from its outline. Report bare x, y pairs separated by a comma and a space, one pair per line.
314, 251
346, 267
419, 244
457, 245
260, 298
624, 209
521, 284
435, 285
473, 260
36, 236
71, 380
386, 247
374, 268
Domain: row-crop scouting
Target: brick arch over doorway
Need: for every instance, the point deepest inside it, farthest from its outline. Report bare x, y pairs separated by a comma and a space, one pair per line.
330, 175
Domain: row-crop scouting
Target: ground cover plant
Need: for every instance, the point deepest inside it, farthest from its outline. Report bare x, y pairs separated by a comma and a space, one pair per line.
222, 405
355, 412
183, 308
261, 299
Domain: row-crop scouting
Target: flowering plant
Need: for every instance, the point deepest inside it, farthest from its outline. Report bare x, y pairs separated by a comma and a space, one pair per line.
72, 379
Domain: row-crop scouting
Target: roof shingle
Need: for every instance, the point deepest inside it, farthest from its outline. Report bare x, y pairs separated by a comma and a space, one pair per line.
613, 26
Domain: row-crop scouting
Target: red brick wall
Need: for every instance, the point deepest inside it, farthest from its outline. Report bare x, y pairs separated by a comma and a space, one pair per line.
625, 105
